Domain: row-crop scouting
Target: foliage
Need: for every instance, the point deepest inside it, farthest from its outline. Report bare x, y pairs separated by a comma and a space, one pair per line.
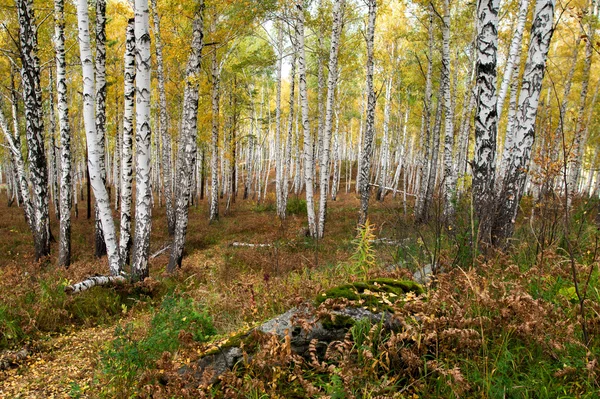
363, 258
177, 320
296, 206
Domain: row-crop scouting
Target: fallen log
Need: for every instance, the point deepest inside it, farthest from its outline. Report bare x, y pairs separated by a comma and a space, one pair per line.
388, 241
94, 281
246, 244
157, 253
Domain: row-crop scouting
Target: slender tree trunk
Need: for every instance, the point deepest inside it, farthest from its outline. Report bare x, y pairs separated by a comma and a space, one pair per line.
424, 170
385, 142
486, 116
32, 95
514, 55
338, 15
518, 165
367, 152
278, 155
22, 185
127, 145
187, 139
54, 164
449, 170
64, 247
97, 183
580, 139
308, 150
100, 245
214, 161
143, 136
164, 123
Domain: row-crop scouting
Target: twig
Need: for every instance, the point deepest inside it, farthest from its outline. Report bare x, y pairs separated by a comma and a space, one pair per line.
154, 255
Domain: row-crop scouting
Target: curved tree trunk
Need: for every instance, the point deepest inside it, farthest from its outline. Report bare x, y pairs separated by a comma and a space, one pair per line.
97, 183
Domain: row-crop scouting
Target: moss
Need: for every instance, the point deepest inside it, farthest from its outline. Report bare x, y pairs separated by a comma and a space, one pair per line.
338, 321
378, 293
246, 337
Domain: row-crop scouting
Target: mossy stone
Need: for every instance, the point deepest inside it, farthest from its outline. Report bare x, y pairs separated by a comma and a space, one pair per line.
338, 321
377, 293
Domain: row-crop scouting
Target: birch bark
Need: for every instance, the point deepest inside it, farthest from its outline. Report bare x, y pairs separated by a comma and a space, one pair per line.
100, 245
338, 14
100, 192
143, 136
308, 150
367, 152
187, 140
32, 95
64, 246
164, 122
486, 116
520, 152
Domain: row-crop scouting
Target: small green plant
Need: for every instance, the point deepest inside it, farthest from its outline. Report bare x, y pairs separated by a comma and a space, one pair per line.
10, 328
363, 258
127, 356
296, 206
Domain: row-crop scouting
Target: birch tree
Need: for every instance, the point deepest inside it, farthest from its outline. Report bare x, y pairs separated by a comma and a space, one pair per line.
100, 245
580, 139
125, 240
97, 183
163, 122
520, 153
338, 15
34, 126
486, 116
187, 138
308, 148
367, 150
143, 188
64, 246
449, 170
421, 205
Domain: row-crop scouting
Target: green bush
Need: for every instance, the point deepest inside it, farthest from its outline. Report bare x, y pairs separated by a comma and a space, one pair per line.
10, 329
296, 206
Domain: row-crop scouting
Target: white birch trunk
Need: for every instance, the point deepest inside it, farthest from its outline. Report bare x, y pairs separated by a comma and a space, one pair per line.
308, 150
187, 140
64, 247
143, 136
367, 150
486, 116
32, 96
338, 14
100, 192
520, 152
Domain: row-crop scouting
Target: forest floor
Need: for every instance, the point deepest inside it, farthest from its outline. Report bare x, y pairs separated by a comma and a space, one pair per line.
505, 324
66, 345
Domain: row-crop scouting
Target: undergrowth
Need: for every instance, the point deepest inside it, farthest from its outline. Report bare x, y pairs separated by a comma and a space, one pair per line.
178, 321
